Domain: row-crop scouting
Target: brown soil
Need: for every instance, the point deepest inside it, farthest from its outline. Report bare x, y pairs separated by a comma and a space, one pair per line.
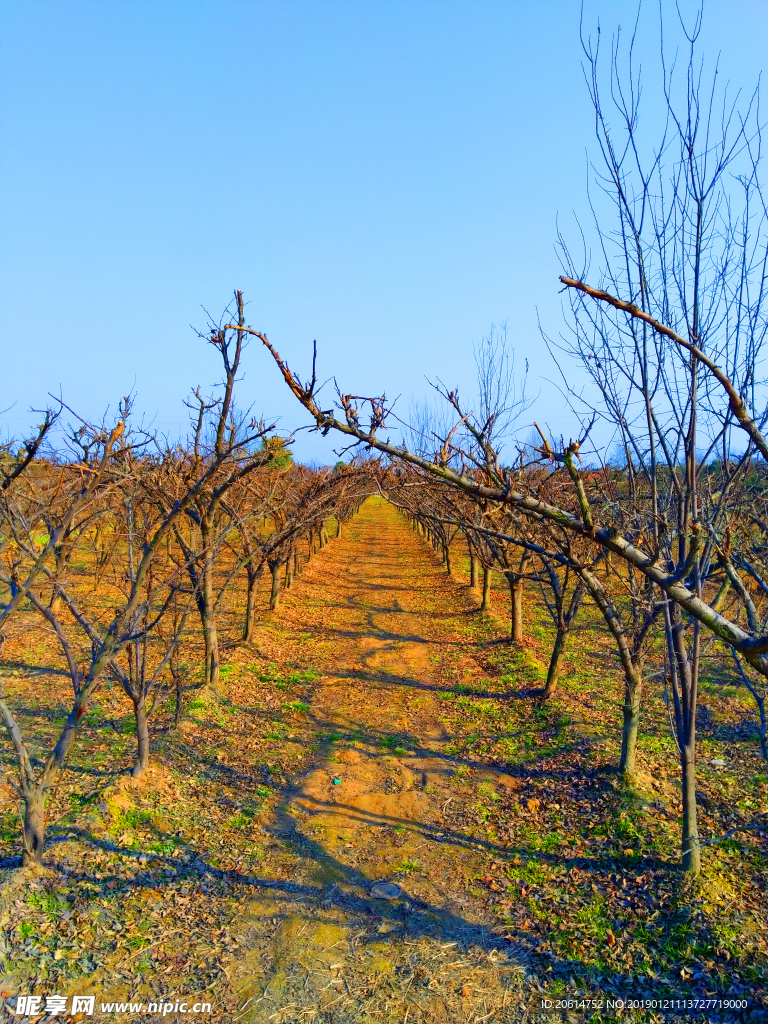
371, 810
376, 732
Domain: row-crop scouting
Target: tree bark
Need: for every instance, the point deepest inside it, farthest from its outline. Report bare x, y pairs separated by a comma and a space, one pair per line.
34, 793
142, 737
250, 604
516, 602
473, 574
691, 846
633, 691
210, 635
553, 673
447, 550
632, 663
34, 826
565, 620
684, 689
274, 597
206, 603
486, 602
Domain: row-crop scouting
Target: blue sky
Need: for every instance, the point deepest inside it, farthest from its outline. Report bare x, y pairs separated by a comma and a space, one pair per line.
385, 177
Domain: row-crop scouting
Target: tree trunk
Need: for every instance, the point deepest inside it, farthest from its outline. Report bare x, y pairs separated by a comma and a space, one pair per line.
448, 567
516, 602
288, 573
683, 670
34, 796
338, 529
210, 635
211, 638
142, 737
633, 691
473, 572
632, 663
565, 621
206, 607
553, 673
34, 827
297, 564
691, 847
486, 602
250, 608
274, 597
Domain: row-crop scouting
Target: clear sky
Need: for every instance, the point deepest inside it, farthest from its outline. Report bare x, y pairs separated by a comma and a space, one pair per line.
385, 177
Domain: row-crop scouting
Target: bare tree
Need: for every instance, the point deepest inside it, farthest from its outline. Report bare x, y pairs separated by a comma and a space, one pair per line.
222, 451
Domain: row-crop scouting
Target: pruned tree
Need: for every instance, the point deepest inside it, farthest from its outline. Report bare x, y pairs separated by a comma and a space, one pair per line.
222, 451
673, 333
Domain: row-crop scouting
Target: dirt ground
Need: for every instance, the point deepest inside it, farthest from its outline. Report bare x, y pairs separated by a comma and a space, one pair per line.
376, 731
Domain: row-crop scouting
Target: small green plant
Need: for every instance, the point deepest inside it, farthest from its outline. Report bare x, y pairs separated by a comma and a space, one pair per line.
730, 846
296, 705
307, 676
93, 715
164, 847
392, 744
548, 843
9, 827
592, 917
239, 820
627, 831
48, 903
26, 930
270, 676
132, 818
409, 865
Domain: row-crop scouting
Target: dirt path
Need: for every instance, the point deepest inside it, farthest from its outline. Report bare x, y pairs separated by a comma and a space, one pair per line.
371, 734
372, 808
